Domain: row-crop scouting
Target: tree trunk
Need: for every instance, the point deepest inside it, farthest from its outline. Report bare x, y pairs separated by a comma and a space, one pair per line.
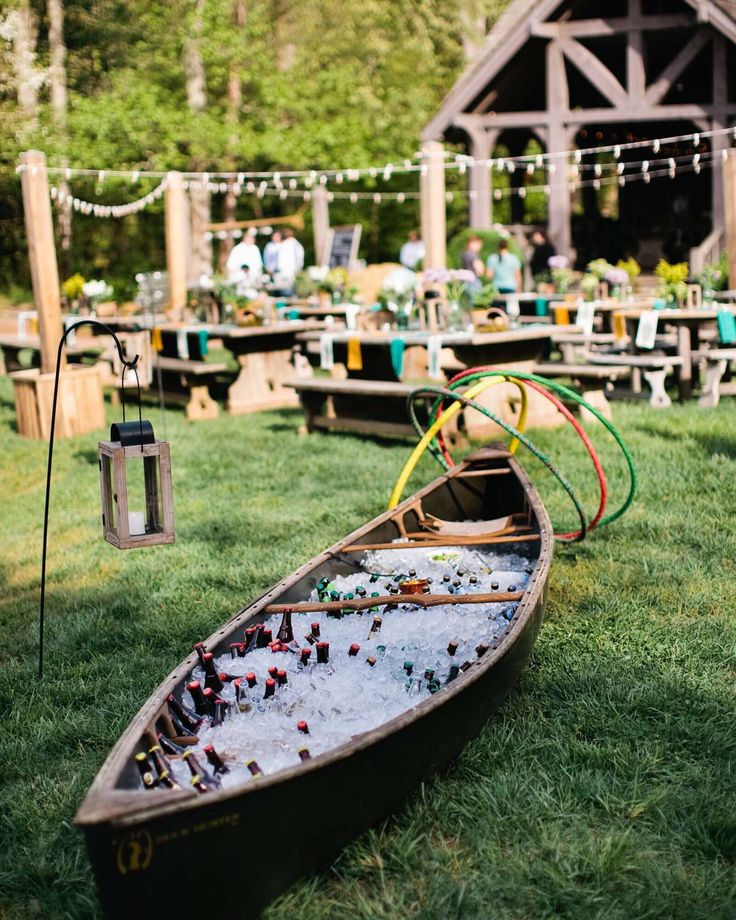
234, 100
27, 77
59, 109
200, 260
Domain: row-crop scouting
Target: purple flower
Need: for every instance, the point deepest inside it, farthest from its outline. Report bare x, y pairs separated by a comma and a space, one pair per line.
558, 262
435, 275
617, 276
463, 275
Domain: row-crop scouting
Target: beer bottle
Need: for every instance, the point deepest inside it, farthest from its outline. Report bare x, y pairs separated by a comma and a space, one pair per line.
311, 638
286, 632
304, 655
433, 685
408, 667
460, 573
270, 688
429, 674
250, 637
264, 637
168, 781
512, 588
304, 754
144, 768
254, 768
237, 650
220, 712
481, 649
217, 763
446, 579
158, 758
183, 713
210, 697
353, 650
199, 784
211, 678
323, 652
375, 627
452, 673
200, 703
374, 578
412, 573
473, 580
323, 584
452, 647
168, 746
181, 730
374, 594
303, 727
281, 678
360, 591
273, 671
251, 679
494, 586
371, 659
199, 648
190, 759
466, 666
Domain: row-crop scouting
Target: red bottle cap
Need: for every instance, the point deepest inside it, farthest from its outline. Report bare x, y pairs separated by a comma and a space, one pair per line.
193, 685
303, 727
305, 654
273, 670
281, 676
354, 649
314, 626
208, 656
251, 678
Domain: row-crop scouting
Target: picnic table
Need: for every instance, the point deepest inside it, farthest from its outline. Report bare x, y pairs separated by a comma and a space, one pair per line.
265, 357
689, 324
12, 345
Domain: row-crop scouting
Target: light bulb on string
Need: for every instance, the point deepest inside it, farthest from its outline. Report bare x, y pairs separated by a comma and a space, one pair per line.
616, 152
530, 169
578, 156
645, 167
511, 166
622, 181
656, 146
250, 187
597, 184
696, 140
377, 198
401, 197
540, 161
323, 180
620, 167
293, 184
521, 192
330, 196
497, 194
353, 198
307, 196
339, 178
68, 174
500, 164
373, 172
597, 169
647, 178
241, 178
449, 196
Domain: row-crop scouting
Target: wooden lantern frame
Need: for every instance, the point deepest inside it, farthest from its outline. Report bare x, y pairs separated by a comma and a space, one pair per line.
113, 456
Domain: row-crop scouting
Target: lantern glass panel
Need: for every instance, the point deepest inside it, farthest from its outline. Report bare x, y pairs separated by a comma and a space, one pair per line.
109, 506
143, 482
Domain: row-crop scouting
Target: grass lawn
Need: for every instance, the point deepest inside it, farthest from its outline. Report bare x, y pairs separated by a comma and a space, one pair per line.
606, 788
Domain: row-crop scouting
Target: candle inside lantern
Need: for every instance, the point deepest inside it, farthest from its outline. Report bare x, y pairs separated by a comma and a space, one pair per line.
136, 523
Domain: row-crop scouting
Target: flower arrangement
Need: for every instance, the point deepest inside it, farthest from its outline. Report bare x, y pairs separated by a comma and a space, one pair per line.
562, 274
397, 293
616, 277
72, 287
599, 268
456, 281
631, 267
96, 291
713, 277
673, 279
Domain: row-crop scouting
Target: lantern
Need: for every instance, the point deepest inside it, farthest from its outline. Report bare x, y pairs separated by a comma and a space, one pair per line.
135, 487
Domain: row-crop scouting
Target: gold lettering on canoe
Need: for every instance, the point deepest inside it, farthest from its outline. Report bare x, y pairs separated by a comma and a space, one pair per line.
135, 852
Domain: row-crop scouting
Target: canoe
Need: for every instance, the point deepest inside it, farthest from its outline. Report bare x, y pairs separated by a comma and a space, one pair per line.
248, 839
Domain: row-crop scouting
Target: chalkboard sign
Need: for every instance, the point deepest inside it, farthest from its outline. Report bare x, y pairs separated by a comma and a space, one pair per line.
343, 243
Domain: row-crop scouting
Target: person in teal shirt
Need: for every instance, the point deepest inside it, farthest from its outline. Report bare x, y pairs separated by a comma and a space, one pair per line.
505, 269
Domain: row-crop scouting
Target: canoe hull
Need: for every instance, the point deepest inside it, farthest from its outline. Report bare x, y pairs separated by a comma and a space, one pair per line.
234, 852
278, 833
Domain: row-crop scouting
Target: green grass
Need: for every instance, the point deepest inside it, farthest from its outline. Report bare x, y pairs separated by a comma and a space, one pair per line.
604, 789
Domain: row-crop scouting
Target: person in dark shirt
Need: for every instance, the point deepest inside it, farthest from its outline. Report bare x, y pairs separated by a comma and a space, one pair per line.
542, 253
471, 256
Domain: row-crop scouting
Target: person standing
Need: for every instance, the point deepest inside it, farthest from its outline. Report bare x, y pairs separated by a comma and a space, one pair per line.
245, 260
542, 252
471, 260
412, 252
505, 269
291, 257
271, 253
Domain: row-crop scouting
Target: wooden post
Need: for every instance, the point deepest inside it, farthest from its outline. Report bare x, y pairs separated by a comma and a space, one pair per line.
557, 103
480, 181
729, 203
320, 224
42, 255
432, 192
177, 243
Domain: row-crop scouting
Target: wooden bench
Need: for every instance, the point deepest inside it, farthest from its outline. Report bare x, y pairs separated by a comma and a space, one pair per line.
654, 369
12, 345
572, 344
716, 361
593, 380
191, 380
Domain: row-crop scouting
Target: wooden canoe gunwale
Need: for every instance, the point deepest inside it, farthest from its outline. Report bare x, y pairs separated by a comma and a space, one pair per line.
105, 803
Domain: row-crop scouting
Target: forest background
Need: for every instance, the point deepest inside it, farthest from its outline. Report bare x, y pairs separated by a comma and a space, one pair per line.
220, 85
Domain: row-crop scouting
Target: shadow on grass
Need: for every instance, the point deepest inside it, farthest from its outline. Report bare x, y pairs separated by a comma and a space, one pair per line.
717, 445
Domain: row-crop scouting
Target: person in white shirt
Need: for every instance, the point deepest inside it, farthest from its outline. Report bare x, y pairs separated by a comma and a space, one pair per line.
245, 260
291, 257
412, 252
271, 253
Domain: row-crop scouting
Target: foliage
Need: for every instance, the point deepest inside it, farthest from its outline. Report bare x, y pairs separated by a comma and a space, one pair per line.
599, 268
588, 284
320, 86
673, 278
714, 277
491, 239
605, 787
562, 278
631, 267
485, 295
73, 286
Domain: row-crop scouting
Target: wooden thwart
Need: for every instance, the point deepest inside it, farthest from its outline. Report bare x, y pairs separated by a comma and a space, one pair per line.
419, 600
437, 542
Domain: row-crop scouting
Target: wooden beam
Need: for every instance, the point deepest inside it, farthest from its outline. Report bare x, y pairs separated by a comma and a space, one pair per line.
558, 102
320, 224
480, 179
42, 255
471, 121
176, 219
659, 89
595, 71
590, 28
729, 203
432, 201
719, 142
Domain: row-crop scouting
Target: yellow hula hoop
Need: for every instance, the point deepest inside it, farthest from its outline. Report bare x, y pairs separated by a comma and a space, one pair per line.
449, 413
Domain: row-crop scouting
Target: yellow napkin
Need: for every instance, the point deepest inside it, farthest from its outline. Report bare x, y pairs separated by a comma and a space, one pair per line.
355, 355
156, 340
562, 316
619, 326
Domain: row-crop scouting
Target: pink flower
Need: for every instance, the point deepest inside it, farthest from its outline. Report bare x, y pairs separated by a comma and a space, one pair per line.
558, 262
